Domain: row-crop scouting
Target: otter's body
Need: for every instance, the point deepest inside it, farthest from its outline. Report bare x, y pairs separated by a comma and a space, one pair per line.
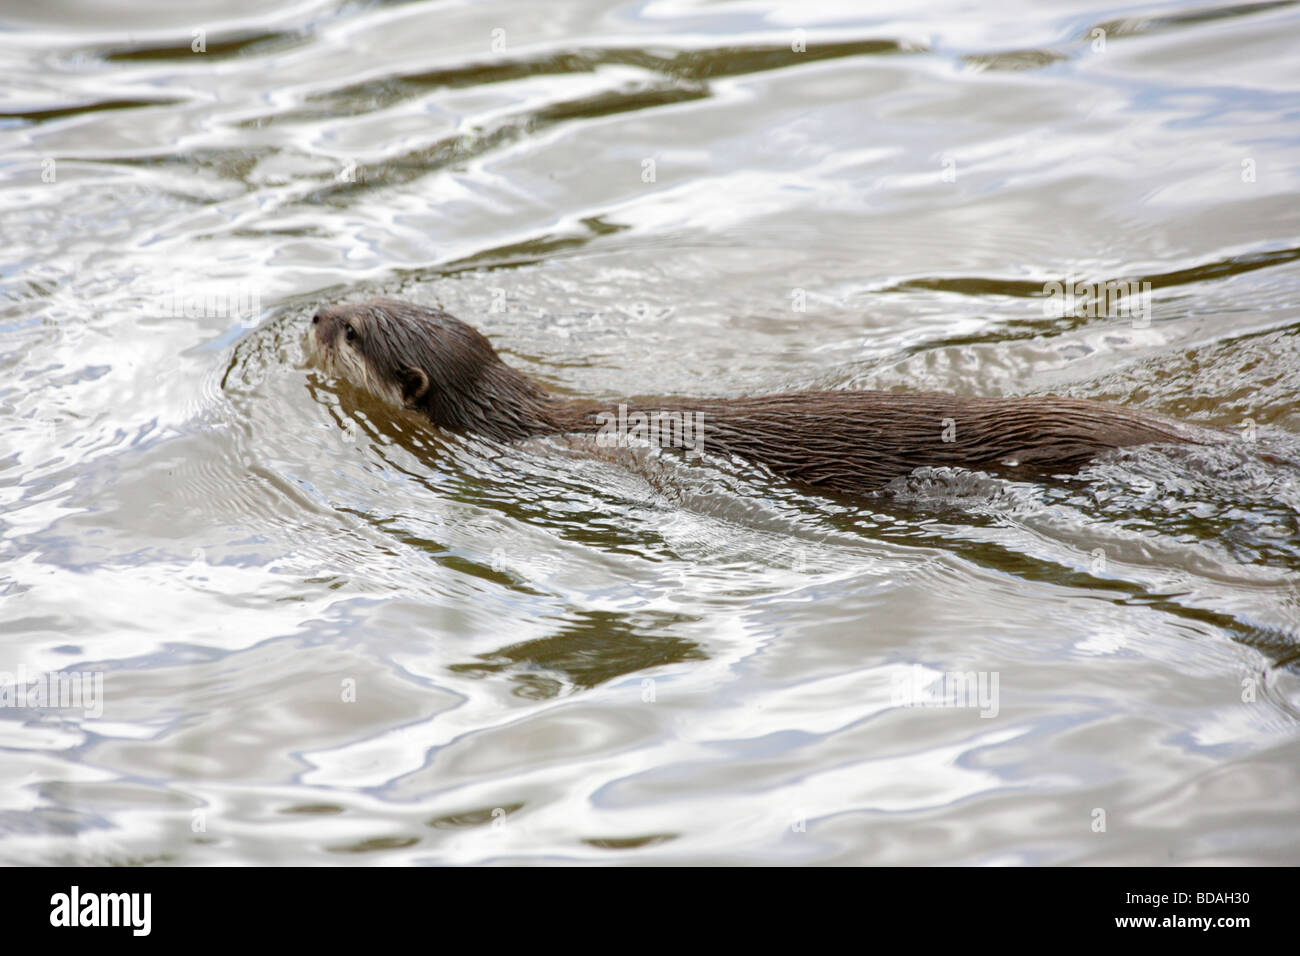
844, 441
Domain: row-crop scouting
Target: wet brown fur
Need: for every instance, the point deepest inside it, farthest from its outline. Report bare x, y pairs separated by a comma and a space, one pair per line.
846, 441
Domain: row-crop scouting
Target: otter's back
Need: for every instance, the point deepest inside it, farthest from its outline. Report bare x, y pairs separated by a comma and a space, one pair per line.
856, 441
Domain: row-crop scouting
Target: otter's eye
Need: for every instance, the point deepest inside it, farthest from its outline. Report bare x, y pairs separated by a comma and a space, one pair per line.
350, 332
315, 318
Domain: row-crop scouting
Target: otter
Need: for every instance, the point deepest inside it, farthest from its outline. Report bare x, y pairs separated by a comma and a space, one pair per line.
850, 442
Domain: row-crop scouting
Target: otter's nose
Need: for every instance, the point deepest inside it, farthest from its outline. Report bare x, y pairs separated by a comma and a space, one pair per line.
317, 333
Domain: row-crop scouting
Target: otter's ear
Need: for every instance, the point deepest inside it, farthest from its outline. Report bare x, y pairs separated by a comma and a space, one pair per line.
414, 382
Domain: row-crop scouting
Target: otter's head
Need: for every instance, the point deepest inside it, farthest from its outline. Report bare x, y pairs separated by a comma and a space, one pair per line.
427, 360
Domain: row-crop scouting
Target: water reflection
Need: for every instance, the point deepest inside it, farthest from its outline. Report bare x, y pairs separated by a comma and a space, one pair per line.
639, 201
590, 649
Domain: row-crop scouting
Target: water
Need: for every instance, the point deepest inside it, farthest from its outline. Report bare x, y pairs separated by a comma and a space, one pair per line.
328, 634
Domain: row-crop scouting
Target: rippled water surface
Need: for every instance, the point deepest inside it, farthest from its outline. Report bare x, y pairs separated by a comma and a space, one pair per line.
328, 633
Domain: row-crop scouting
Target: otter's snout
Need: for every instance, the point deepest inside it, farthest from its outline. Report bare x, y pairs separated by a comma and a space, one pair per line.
325, 338
320, 335
321, 343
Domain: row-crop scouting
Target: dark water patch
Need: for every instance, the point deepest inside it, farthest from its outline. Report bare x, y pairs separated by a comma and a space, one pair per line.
376, 845
47, 113
629, 843
1013, 60
261, 43
592, 648
314, 809
1020, 288
527, 252
1158, 23
479, 817
688, 66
